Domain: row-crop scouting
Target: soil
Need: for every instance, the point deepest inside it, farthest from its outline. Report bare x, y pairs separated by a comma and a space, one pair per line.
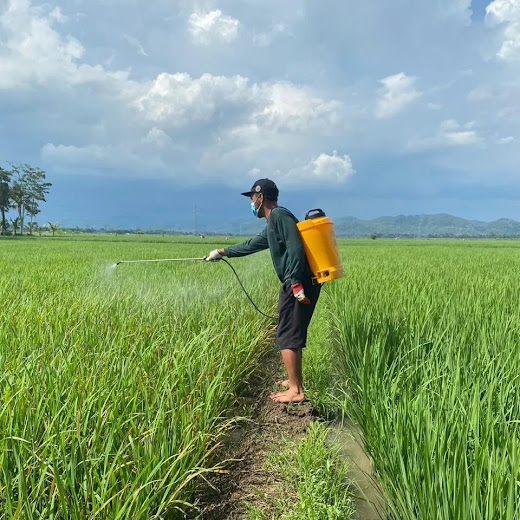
369, 503
246, 480
246, 448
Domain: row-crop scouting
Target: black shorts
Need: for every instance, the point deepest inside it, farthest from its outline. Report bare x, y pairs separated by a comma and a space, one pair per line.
294, 317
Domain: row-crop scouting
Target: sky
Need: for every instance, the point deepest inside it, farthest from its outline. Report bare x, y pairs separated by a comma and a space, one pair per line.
140, 111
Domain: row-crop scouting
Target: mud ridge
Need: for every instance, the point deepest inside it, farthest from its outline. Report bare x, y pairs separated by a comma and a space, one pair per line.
246, 480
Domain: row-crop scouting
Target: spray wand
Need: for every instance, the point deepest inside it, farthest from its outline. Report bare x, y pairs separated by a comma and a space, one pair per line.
159, 260
202, 258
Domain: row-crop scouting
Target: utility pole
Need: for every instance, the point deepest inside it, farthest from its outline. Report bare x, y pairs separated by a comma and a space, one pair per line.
195, 220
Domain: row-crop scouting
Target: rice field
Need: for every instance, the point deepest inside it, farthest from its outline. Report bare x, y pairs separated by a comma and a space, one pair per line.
426, 336
117, 383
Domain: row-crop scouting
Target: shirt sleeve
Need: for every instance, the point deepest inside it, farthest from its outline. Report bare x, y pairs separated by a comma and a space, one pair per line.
297, 260
253, 245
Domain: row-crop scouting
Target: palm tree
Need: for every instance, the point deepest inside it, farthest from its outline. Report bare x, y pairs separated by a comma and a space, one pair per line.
33, 226
53, 226
15, 222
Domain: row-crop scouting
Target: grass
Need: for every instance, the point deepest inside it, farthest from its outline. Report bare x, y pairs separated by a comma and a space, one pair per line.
424, 337
313, 483
116, 383
320, 378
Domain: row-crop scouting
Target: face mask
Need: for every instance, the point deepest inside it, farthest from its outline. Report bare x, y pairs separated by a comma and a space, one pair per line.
255, 211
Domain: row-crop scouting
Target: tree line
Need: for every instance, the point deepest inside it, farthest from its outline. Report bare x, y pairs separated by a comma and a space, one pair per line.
22, 189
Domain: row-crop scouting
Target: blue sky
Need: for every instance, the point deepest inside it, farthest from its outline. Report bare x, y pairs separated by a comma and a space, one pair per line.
140, 110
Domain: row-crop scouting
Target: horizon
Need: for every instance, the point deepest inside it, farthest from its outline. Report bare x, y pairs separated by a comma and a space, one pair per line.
250, 228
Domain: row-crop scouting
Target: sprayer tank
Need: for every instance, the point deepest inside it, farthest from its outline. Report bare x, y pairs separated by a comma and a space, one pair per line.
321, 248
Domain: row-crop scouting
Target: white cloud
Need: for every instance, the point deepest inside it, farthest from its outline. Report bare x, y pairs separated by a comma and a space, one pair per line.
179, 99
216, 123
294, 108
33, 52
324, 170
265, 39
29, 37
457, 9
450, 133
332, 167
136, 44
157, 137
95, 158
506, 140
57, 15
461, 138
506, 12
479, 94
73, 153
212, 27
397, 93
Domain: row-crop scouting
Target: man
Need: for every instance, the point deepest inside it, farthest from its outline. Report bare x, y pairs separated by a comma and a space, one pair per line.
298, 295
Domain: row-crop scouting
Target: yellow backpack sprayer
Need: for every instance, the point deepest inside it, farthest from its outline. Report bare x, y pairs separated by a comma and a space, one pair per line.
319, 243
321, 248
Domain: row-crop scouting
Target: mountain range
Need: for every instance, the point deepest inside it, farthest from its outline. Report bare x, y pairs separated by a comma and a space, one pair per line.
440, 225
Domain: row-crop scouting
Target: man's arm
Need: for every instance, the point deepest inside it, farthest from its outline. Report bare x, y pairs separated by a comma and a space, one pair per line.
253, 245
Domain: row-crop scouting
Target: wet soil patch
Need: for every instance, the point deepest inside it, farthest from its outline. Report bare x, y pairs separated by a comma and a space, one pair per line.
369, 503
246, 481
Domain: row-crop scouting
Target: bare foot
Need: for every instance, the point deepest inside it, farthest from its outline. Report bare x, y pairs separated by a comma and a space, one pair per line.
289, 396
284, 383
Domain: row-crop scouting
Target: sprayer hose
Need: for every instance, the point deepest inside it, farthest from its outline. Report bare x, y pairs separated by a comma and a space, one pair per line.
275, 318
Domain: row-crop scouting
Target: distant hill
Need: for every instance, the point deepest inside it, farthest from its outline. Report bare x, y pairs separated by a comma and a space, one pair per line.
405, 226
418, 226
424, 226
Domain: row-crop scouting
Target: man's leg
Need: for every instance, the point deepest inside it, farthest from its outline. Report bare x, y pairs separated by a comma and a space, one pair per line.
292, 359
293, 321
285, 382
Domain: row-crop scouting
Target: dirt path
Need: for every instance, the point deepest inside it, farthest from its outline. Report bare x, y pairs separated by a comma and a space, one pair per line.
247, 481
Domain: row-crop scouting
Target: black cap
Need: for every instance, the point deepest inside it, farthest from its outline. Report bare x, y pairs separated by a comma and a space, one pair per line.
265, 186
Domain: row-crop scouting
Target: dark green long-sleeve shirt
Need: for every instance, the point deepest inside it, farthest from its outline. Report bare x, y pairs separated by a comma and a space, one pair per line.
283, 239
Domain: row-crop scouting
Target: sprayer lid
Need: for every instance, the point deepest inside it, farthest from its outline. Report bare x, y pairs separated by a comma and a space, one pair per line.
319, 213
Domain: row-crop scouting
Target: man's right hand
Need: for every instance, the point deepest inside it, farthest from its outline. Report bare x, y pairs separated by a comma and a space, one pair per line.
214, 256
299, 293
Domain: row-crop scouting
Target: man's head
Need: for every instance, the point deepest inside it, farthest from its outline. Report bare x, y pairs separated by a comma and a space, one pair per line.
263, 195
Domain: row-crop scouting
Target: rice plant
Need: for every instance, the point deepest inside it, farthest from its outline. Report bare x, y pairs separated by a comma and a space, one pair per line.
426, 338
117, 383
